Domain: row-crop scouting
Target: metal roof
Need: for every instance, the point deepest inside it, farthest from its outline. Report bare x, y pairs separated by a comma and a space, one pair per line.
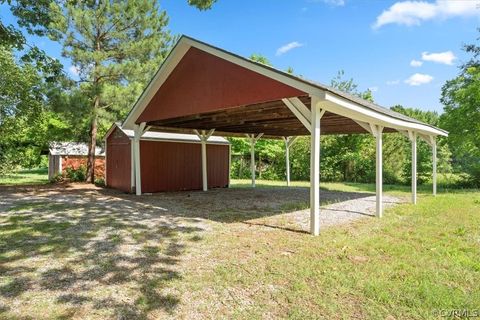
72, 149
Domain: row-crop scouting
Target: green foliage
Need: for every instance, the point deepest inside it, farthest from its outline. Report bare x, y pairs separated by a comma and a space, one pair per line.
202, 4
116, 46
348, 158
100, 182
461, 97
76, 175
257, 57
24, 110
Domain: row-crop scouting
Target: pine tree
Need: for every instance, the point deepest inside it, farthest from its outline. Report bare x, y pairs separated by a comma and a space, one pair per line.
115, 47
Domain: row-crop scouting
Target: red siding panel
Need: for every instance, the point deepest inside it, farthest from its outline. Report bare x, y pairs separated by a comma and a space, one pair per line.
119, 161
217, 165
172, 166
202, 82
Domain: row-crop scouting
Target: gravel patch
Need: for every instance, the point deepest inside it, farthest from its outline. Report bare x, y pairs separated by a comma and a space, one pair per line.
342, 212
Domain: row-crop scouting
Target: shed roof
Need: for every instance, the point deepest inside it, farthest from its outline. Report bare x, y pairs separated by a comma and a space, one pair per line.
72, 149
343, 110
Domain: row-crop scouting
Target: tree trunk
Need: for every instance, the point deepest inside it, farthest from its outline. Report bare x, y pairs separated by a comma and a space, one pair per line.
92, 144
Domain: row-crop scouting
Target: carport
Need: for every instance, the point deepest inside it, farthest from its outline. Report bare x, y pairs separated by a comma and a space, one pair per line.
205, 90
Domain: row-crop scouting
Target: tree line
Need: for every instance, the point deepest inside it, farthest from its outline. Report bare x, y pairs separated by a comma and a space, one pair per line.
115, 47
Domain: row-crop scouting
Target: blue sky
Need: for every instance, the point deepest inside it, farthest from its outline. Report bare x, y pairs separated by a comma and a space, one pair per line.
374, 42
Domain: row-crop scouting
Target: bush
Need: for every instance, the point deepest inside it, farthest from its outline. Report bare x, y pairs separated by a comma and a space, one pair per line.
100, 182
76, 175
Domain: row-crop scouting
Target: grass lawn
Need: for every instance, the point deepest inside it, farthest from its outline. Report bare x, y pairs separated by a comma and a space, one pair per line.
25, 177
93, 253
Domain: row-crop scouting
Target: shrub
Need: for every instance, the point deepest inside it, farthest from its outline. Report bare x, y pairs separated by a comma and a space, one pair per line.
76, 175
100, 182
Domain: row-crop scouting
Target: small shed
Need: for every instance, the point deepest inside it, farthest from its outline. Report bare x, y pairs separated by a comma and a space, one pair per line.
63, 155
169, 161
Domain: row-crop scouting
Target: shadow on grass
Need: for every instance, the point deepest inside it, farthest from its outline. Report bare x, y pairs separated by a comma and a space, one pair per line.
99, 239
91, 242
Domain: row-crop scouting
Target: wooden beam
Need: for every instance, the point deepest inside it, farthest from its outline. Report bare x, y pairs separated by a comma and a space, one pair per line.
305, 121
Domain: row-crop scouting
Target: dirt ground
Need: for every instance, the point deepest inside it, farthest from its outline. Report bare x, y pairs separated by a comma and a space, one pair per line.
78, 251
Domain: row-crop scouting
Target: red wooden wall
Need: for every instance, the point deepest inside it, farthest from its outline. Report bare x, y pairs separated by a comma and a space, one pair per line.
165, 166
174, 166
119, 161
202, 82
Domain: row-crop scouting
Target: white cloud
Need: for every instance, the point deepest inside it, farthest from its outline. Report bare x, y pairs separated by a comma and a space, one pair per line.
418, 79
412, 13
446, 57
393, 82
373, 89
74, 70
416, 63
288, 47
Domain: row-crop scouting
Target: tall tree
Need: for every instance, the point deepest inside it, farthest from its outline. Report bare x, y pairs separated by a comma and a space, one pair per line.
202, 4
461, 98
115, 47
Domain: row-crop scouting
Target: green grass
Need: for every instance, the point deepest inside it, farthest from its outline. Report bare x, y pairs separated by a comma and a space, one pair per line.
26, 177
120, 257
415, 262
346, 186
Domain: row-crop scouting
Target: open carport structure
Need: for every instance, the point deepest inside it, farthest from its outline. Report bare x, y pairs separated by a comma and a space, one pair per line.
206, 90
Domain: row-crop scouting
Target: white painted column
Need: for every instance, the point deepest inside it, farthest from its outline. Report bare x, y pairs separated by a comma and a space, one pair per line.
138, 132
253, 140
414, 166
315, 168
204, 163
204, 136
252, 160
287, 159
132, 165
434, 166
379, 171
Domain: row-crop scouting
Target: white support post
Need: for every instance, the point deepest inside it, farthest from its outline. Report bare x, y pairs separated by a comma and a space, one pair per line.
253, 141
252, 160
434, 166
413, 137
378, 133
138, 132
287, 159
315, 167
203, 136
204, 164
288, 143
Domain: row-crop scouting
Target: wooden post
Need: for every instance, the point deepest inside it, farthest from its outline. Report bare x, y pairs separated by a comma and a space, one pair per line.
414, 166
379, 171
315, 168
204, 136
253, 141
287, 159
138, 132
434, 166
204, 163
252, 160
